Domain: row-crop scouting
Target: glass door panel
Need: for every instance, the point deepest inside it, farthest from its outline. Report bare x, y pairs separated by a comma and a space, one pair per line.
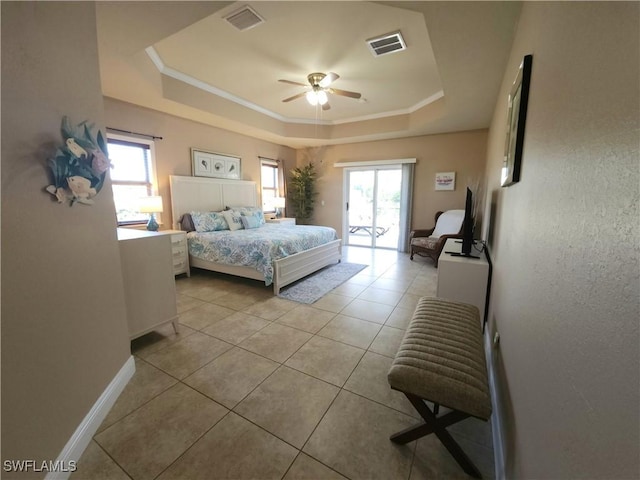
361, 208
388, 208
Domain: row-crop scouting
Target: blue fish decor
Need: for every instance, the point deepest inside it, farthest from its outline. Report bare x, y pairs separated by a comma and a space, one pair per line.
80, 164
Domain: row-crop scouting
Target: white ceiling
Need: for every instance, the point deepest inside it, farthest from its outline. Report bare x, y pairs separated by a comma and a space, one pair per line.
185, 59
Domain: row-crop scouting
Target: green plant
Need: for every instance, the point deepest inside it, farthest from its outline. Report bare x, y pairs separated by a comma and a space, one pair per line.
302, 193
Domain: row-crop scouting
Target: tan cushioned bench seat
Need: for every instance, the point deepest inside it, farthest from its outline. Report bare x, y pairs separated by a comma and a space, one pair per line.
441, 358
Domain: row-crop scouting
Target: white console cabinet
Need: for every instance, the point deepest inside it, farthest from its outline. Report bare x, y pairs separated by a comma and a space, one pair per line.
461, 278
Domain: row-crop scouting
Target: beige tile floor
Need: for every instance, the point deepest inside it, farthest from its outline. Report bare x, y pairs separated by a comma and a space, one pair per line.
258, 387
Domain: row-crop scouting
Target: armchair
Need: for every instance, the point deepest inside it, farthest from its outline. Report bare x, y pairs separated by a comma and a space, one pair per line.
429, 243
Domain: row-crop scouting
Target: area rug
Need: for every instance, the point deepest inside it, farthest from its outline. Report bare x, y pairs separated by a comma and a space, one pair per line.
314, 286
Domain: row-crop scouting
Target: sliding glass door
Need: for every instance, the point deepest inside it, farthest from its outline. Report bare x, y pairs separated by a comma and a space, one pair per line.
373, 206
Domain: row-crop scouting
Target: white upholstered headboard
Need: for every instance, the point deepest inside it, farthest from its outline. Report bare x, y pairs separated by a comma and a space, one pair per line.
203, 194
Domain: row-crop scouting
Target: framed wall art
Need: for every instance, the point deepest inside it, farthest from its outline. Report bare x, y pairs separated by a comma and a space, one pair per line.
446, 181
516, 118
217, 165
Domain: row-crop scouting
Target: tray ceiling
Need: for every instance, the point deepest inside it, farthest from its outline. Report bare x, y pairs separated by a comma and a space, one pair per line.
186, 59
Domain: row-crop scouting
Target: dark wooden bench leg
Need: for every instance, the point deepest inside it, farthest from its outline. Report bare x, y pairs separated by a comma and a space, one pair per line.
438, 426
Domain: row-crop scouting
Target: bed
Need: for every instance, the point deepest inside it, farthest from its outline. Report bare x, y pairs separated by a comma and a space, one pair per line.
275, 254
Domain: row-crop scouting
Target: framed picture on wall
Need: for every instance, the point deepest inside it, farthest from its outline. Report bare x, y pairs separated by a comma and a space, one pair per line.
232, 167
516, 118
211, 164
446, 181
202, 165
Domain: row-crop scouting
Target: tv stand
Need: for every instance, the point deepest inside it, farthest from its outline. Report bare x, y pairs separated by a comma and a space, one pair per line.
458, 251
461, 277
460, 254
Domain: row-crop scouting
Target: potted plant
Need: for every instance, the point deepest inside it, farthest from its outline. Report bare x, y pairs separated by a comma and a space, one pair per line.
302, 193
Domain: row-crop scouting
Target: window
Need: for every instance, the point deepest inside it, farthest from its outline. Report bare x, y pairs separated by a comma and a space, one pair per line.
270, 184
132, 176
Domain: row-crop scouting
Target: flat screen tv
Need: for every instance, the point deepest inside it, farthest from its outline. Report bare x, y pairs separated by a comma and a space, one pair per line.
467, 228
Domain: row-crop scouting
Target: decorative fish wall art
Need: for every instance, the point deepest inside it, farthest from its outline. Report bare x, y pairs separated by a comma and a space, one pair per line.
80, 164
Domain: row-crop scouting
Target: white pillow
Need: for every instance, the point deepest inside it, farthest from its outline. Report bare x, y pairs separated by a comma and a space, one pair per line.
233, 219
449, 223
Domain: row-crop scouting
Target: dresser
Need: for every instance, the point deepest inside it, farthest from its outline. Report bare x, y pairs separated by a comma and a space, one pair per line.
149, 282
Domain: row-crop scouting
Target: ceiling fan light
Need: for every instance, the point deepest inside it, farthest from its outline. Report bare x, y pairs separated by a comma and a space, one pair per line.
312, 98
322, 97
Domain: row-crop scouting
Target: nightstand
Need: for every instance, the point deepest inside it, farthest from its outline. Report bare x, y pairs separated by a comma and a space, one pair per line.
179, 251
282, 221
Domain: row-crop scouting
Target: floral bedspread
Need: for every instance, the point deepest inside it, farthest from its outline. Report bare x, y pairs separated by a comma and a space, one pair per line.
257, 247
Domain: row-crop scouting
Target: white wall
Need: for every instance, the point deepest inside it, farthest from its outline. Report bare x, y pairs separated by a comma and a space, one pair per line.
565, 243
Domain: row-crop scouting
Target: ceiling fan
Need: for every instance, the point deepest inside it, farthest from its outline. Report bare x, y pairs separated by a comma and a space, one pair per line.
319, 84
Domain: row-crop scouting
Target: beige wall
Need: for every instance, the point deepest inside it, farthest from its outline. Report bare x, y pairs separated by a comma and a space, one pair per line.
173, 155
463, 153
564, 240
64, 332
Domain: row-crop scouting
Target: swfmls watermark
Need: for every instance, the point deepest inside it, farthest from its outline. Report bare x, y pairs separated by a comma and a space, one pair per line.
57, 466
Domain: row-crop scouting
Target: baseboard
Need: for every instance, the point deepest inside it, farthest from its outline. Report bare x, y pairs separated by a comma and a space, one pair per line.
496, 417
80, 439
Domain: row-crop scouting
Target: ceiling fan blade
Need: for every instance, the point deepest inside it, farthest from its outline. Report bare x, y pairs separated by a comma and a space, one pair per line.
344, 93
326, 106
294, 97
294, 83
328, 79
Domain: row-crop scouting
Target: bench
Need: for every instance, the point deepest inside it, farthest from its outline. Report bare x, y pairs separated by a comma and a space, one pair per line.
441, 359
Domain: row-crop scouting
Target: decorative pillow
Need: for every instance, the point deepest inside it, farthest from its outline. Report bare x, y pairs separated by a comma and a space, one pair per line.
186, 223
209, 221
251, 212
249, 222
234, 219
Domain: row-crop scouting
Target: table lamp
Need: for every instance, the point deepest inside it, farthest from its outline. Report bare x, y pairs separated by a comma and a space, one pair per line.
151, 205
278, 203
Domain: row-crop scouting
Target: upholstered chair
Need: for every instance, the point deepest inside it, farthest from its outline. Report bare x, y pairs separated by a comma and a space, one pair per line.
429, 243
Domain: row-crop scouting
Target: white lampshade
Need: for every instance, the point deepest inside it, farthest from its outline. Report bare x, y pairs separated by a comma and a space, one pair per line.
315, 97
312, 98
279, 202
322, 97
150, 204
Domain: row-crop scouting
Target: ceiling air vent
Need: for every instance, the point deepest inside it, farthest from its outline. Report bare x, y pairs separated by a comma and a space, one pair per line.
389, 43
245, 18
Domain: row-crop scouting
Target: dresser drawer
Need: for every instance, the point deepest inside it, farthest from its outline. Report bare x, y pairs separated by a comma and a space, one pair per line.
180, 266
179, 252
178, 240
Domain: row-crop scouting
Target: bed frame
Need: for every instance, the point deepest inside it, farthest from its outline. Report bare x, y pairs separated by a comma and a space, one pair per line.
214, 194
